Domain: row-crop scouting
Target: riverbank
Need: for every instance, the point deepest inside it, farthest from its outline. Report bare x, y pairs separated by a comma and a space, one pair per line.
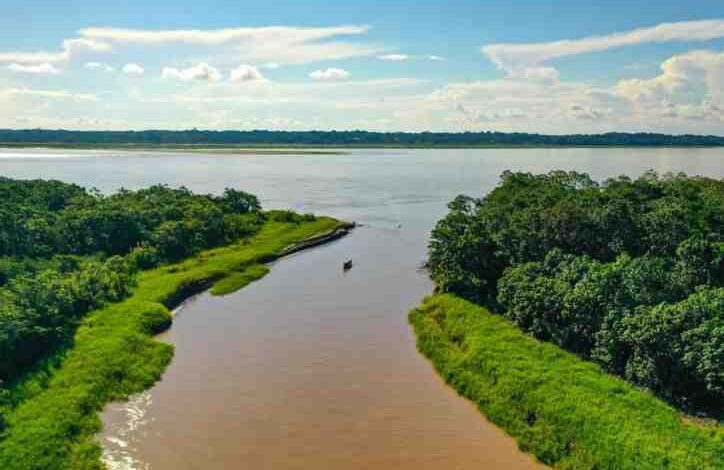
238, 280
336, 149
114, 353
565, 411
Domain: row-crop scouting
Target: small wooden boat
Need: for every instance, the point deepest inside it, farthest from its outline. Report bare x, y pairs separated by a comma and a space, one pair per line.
347, 265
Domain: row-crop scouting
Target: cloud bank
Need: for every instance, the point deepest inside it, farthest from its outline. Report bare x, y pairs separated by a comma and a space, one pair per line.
685, 95
516, 58
273, 44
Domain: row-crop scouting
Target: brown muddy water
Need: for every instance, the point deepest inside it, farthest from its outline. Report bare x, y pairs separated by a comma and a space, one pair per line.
312, 367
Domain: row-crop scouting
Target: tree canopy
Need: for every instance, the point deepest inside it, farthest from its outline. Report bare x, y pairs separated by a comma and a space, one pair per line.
65, 251
628, 273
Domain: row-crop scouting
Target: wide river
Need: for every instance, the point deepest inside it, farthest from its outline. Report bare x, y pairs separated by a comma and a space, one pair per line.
311, 367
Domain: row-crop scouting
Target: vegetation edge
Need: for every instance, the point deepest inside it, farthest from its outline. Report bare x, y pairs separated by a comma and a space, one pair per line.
115, 354
562, 409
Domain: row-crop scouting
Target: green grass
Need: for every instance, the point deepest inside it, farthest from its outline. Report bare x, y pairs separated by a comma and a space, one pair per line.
55, 422
235, 281
564, 410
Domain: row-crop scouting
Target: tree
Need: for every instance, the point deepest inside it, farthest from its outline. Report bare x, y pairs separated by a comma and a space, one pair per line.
627, 273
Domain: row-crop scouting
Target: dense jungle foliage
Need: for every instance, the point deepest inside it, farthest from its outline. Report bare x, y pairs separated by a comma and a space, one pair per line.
65, 251
628, 273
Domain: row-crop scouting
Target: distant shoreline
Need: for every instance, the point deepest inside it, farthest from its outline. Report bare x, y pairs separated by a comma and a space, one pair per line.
305, 149
320, 141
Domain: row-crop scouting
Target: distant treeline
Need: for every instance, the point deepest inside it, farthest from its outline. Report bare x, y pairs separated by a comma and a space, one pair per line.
346, 138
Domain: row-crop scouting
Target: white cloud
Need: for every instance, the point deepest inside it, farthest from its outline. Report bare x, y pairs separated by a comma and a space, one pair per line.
200, 72
701, 68
514, 59
523, 105
545, 74
215, 37
226, 105
690, 86
687, 95
273, 44
45, 68
70, 48
330, 74
132, 69
98, 66
393, 57
76, 45
246, 73
404, 57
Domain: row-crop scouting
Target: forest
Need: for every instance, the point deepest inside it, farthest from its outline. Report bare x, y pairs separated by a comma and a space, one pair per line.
25, 137
65, 251
627, 273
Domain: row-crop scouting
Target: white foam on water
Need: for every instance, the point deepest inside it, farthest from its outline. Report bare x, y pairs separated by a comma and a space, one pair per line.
116, 441
117, 446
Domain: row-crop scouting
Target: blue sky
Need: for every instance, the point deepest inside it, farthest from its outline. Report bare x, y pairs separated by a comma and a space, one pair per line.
536, 66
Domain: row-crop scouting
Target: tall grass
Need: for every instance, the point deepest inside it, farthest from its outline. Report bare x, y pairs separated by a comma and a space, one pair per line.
114, 354
566, 411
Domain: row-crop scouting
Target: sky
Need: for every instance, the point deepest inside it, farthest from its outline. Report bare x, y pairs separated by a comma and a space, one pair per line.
552, 67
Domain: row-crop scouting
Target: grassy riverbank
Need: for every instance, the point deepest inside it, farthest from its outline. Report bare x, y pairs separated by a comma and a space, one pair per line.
565, 411
114, 354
